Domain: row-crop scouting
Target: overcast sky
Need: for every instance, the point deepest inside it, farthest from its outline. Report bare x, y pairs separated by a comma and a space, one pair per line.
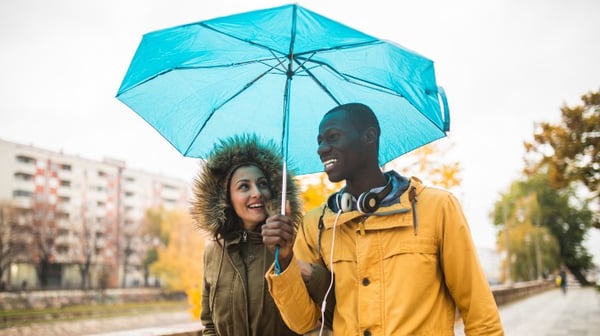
504, 65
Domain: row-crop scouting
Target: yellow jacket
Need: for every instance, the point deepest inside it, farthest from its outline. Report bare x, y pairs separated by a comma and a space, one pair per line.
392, 277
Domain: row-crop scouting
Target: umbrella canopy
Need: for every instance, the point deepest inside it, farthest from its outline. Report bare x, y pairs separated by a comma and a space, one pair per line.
275, 72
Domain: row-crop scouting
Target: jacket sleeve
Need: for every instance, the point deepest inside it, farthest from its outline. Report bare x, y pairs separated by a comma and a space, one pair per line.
464, 275
317, 287
299, 311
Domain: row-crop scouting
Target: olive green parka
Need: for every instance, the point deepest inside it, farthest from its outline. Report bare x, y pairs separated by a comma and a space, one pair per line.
235, 299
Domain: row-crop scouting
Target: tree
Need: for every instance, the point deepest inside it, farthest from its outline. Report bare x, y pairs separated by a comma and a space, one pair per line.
316, 188
531, 251
180, 261
11, 246
429, 164
153, 238
569, 151
557, 211
45, 231
86, 249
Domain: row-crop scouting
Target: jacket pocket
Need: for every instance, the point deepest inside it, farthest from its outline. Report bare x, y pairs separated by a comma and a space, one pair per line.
343, 247
412, 254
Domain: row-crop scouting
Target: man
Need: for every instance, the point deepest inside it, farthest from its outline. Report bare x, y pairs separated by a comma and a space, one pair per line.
401, 253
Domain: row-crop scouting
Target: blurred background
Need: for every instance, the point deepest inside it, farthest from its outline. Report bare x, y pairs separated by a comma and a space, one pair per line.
94, 202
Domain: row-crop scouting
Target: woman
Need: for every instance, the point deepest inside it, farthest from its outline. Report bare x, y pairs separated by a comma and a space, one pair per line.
237, 188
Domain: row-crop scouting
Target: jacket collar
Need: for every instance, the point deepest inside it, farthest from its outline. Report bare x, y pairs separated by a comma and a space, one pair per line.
380, 218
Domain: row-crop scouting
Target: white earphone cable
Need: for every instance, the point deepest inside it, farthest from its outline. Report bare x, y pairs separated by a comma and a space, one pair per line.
331, 281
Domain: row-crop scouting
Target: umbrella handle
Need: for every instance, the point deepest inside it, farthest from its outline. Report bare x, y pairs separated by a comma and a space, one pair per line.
277, 266
446, 112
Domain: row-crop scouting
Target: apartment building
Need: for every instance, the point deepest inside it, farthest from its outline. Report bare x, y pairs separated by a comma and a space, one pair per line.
61, 214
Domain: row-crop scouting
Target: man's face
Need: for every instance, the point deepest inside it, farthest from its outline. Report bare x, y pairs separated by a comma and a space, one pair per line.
340, 147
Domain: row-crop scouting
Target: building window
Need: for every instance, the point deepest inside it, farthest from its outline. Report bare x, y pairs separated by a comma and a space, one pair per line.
66, 167
25, 159
23, 177
21, 193
169, 187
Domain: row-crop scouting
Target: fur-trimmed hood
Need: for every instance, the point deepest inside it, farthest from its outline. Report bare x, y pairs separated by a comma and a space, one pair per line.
211, 208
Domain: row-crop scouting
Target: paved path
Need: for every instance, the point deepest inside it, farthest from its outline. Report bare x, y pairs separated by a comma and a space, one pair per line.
547, 314
552, 314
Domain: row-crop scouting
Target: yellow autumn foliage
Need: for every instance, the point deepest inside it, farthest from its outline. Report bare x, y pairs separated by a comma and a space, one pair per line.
315, 190
180, 260
194, 296
427, 163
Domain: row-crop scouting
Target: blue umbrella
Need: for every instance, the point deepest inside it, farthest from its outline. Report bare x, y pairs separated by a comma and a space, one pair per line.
275, 72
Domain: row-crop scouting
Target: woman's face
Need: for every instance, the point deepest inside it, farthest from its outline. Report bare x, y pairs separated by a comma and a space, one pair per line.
249, 190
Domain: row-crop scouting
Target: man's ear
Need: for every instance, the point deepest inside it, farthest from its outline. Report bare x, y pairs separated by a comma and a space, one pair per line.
370, 135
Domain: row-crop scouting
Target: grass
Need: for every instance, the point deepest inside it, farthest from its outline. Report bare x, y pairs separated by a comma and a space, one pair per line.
20, 317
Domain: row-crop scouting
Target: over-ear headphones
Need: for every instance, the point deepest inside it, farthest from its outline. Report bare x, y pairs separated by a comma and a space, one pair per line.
367, 202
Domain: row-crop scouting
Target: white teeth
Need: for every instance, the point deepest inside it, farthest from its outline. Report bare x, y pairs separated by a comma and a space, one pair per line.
255, 206
329, 163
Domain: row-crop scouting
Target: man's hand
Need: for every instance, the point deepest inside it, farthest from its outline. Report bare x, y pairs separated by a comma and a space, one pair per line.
278, 230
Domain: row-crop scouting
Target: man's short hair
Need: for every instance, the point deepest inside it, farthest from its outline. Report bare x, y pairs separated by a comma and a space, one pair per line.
361, 116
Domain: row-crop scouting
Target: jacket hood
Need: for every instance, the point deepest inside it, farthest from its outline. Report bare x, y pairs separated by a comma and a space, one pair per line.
211, 208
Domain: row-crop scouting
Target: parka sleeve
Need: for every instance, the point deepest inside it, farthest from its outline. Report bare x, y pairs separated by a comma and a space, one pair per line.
205, 313
464, 275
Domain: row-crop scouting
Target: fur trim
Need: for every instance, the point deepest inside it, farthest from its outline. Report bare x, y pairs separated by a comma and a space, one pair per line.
210, 205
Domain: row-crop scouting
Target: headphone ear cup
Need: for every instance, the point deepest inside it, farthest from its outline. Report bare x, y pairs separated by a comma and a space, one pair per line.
368, 202
344, 201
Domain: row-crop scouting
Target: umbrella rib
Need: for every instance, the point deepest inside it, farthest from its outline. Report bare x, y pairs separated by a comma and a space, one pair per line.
316, 80
212, 113
355, 81
340, 47
229, 65
263, 61
345, 46
203, 24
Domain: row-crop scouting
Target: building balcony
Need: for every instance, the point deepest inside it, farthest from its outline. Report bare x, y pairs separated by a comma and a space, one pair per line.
65, 174
25, 185
26, 168
65, 191
22, 202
